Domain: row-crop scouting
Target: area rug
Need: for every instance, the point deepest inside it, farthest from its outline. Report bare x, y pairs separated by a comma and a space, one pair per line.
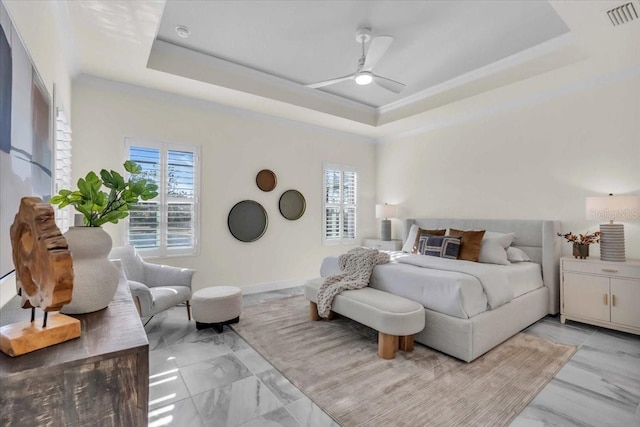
336, 365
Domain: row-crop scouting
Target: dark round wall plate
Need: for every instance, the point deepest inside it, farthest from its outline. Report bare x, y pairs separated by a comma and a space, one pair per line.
247, 221
292, 204
266, 180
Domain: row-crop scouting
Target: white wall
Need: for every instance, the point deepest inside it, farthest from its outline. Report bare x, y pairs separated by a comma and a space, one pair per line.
235, 145
38, 26
536, 158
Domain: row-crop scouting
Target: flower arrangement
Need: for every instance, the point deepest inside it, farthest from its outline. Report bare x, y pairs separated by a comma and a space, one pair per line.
582, 239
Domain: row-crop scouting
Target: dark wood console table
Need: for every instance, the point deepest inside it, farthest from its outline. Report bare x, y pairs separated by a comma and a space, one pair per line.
101, 378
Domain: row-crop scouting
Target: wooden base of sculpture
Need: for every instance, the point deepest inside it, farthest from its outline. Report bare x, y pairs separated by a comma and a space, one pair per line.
20, 338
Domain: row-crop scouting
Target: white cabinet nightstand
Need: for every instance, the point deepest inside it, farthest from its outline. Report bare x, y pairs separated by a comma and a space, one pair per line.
383, 245
601, 293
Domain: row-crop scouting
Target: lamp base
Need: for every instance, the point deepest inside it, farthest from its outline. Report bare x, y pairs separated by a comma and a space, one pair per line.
385, 231
612, 242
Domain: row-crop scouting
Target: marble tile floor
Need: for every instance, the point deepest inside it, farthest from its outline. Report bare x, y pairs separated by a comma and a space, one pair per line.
202, 378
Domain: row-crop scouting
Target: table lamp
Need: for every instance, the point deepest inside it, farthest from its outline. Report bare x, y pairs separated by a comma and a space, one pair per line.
618, 208
386, 211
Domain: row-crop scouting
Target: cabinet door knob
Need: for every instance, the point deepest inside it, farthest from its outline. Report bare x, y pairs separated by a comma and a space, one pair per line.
613, 300
609, 270
606, 299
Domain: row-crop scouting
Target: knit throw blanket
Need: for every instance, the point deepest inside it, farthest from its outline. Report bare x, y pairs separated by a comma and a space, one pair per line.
357, 266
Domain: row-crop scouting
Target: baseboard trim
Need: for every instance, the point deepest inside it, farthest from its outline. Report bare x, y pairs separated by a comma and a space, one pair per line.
272, 286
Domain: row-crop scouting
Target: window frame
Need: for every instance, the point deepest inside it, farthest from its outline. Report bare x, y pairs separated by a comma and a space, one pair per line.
340, 205
163, 200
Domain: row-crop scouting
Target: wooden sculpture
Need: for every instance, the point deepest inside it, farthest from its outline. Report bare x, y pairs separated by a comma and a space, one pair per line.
44, 278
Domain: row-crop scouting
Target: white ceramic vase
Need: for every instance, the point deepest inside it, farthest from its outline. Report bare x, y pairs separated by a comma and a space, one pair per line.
95, 277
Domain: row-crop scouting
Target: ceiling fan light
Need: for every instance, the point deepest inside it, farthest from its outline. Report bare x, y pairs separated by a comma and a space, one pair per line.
364, 79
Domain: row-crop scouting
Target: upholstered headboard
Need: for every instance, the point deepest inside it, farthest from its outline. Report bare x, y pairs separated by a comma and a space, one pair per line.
538, 238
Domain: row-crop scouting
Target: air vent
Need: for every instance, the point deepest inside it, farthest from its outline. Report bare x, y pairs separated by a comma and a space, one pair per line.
623, 14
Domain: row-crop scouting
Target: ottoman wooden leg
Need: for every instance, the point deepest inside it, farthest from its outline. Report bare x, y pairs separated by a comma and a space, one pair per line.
387, 345
313, 311
406, 343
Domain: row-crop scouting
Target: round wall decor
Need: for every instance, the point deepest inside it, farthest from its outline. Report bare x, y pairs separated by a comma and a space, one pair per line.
266, 180
292, 204
247, 221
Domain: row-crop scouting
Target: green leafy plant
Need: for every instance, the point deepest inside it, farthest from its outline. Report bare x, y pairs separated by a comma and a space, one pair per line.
99, 207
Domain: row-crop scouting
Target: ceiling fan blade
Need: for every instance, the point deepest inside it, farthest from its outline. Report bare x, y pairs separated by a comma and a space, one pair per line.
330, 82
389, 84
377, 49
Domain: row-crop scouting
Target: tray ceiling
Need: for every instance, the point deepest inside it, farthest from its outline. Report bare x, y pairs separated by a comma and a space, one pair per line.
258, 55
305, 42
274, 48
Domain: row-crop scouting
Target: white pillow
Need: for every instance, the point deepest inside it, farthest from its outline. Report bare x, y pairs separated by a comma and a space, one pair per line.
494, 234
411, 239
517, 255
493, 249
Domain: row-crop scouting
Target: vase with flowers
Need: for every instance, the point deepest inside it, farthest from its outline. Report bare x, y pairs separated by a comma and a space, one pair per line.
581, 242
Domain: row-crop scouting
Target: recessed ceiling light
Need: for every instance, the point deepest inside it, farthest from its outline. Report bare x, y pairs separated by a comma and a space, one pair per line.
182, 31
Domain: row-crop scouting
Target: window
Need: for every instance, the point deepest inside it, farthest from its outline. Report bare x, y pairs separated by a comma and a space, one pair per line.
168, 224
340, 204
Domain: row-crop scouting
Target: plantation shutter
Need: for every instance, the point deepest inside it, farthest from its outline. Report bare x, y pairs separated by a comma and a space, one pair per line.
180, 199
166, 225
63, 167
332, 204
144, 217
340, 204
349, 185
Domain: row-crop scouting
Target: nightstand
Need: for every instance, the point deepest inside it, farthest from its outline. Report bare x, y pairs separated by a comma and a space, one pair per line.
602, 293
383, 245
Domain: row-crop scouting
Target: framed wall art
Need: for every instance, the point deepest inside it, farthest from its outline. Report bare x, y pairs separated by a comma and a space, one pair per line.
26, 124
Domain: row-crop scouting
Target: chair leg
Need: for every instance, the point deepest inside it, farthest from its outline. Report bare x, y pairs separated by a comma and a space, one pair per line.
189, 309
148, 320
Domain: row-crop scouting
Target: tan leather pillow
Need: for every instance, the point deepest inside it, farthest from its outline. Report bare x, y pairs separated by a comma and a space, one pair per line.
470, 243
421, 231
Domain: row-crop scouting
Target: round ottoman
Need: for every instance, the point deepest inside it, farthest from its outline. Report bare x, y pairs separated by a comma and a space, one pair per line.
216, 306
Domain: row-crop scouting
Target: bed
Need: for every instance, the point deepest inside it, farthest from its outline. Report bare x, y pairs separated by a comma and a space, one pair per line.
464, 317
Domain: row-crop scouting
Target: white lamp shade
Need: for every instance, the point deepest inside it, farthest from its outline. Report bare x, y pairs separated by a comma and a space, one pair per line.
386, 211
613, 208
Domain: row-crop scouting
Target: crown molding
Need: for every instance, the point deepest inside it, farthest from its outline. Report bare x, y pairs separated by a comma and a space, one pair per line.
191, 102
171, 58
594, 82
174, 59
535, 52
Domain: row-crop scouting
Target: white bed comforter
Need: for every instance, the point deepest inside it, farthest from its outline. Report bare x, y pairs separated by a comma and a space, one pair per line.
457, 288
494, 281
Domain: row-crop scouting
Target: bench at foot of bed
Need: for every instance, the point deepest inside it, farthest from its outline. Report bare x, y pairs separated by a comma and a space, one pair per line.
395, 318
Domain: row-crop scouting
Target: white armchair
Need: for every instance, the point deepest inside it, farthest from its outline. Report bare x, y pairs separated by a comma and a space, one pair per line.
154, 287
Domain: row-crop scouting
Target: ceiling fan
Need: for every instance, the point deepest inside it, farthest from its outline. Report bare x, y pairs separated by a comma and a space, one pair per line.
363, 75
